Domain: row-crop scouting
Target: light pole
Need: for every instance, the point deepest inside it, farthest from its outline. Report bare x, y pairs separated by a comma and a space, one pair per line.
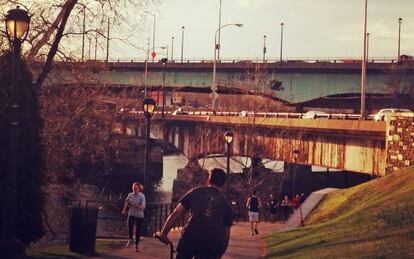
153, 36
218, 41
17, 27
164, 61
146, 69
399, 38
264, 48
367, 58
213, 85
148, 107
295, 154
172, 48
182, 43
281, 41
364, 63
228, 138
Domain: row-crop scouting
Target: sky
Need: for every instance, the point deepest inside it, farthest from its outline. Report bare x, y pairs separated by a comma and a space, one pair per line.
312, 28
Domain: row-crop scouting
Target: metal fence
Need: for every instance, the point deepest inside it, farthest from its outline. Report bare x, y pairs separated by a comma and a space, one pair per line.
112, 224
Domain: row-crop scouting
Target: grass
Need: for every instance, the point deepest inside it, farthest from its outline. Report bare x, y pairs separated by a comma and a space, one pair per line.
62, 251
372, 220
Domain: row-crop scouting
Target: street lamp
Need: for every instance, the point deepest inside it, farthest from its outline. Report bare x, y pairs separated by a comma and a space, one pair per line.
164, 61
295, 154
364, 64
182, 43
219, 25
399, 38
17, 27
213, 85
148, 107
172, 48
228, 138
367, 58
153, 36
281, 41
264, 48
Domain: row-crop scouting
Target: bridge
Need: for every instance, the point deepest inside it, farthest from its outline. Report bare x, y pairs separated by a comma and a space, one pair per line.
373, 147
290, 81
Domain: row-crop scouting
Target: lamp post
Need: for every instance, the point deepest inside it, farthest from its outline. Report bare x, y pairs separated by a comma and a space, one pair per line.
146, 69
364, 63
153, 36
228, 137
399, 38
264, 48
182, 43
17, 27
295, 154
148, 107
219, 25
213, 85
367, 58
281, 41
164, 61
172, 48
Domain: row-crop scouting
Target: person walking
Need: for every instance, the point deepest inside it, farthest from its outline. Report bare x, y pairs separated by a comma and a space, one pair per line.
135, 205
272, 205
253, 205
207, 232
286, 206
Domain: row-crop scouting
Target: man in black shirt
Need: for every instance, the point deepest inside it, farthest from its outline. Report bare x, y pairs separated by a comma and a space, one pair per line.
207, 232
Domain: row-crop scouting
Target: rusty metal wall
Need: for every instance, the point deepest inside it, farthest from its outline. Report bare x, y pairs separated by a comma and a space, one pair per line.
347, 147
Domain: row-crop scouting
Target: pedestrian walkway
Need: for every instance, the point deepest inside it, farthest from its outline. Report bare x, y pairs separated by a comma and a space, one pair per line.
242, 245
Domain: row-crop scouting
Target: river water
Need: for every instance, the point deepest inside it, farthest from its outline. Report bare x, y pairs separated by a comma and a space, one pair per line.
174, 162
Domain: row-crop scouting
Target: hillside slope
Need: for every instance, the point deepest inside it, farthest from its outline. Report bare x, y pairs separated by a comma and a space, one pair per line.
372, 220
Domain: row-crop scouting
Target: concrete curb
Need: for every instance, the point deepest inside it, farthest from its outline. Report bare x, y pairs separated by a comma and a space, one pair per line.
307, 206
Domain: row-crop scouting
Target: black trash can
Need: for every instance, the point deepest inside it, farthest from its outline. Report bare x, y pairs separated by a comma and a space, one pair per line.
82, 230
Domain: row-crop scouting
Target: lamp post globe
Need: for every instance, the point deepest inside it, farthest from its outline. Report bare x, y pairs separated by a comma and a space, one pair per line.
295, 154
148, 107
228, 137
17, 24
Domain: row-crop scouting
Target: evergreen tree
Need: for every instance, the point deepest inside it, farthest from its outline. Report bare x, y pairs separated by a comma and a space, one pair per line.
30, 175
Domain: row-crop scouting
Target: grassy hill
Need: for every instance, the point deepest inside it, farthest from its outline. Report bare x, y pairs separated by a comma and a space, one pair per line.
372, 220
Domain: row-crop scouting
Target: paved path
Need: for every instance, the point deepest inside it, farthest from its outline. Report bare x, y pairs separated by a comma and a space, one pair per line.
242, 244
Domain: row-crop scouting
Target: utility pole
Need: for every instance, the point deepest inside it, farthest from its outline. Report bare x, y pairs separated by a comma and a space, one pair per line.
107, 43
219, 29
182, 43
83, 33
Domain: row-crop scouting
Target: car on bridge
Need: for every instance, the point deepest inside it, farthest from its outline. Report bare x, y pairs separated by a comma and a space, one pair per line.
315, 115
179, 111
381, 114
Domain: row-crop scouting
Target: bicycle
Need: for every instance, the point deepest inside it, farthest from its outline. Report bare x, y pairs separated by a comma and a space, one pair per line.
172, 250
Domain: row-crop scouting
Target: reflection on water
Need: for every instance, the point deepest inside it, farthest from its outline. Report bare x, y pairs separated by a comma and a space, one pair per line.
174, 162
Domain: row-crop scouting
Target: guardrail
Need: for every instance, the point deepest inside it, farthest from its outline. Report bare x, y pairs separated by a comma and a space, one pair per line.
345, 60
292, 115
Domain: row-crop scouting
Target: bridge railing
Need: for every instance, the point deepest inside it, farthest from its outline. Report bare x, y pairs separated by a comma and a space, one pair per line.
291, 115
347, 60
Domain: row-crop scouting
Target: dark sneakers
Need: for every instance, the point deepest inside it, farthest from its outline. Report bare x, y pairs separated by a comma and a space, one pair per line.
256, 231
